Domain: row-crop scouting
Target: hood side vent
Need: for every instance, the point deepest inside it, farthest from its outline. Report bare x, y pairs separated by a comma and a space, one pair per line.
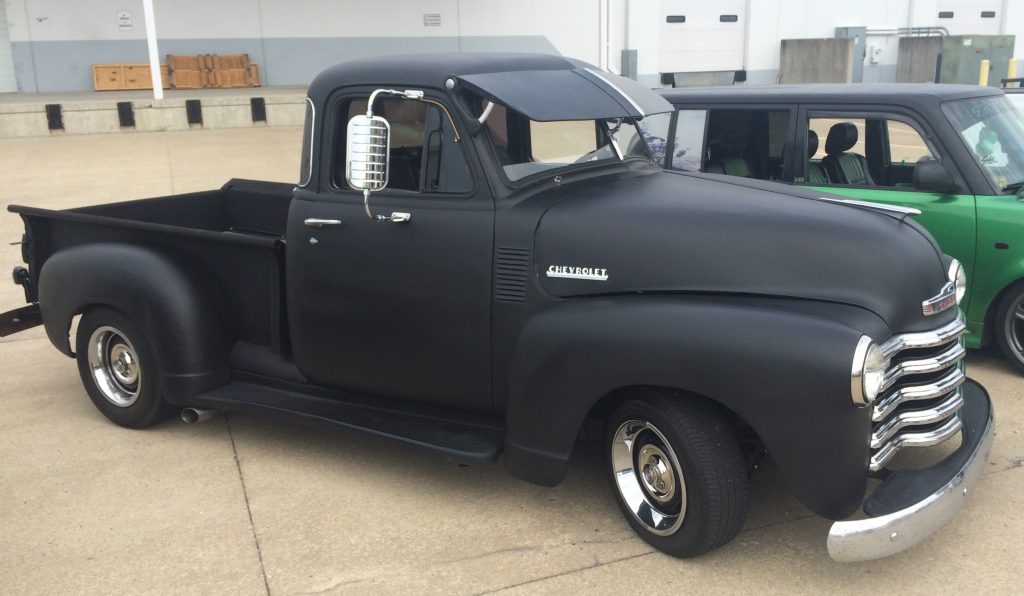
511, 270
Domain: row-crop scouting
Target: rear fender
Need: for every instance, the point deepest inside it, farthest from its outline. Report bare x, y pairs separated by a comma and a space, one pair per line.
180, 307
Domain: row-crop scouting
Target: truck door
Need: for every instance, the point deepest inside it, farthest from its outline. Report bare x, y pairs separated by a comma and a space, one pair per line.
400, 310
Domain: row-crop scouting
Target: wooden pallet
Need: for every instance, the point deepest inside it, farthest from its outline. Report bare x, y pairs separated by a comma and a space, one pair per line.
212, 71
122, 77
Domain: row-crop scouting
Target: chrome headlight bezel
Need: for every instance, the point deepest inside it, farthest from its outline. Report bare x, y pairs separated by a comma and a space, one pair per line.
958, 277
867, 373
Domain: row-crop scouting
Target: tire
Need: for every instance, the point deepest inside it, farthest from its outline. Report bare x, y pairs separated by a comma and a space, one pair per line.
677, 473
1008, 325
119, 369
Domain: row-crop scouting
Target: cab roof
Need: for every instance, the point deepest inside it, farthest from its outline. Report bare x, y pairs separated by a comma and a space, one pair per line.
541, 86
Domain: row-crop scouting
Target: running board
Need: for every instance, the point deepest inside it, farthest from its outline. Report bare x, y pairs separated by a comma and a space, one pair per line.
455, 440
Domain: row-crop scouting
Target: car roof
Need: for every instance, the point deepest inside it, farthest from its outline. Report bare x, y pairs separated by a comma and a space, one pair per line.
829, 93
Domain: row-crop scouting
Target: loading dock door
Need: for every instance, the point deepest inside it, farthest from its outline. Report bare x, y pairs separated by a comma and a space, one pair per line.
970, 17
702, 35
7, 80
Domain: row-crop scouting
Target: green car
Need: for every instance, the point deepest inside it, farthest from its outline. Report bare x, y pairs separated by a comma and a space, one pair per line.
953, 152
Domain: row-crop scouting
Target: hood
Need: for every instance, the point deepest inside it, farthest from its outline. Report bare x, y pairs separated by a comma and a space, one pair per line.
673, 232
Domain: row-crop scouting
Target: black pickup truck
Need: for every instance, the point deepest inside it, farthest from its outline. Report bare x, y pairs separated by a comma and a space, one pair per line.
480, 258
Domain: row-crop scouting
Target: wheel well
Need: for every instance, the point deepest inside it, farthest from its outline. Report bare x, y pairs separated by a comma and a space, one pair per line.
990, 315
750, 442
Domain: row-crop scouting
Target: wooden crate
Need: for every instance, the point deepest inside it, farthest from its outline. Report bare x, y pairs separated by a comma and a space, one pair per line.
121, 77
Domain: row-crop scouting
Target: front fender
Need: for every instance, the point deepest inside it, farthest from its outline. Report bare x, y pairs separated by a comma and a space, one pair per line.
179, 306
782, 366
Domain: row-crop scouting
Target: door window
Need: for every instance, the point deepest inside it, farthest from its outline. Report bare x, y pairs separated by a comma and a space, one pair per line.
424, 156
905, 144
875, 152
747, 142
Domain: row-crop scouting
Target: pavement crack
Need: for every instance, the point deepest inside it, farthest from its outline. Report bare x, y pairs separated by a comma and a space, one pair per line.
594, 565
248, 508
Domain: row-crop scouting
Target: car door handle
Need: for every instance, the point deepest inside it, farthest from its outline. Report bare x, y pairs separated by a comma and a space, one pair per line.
315, 222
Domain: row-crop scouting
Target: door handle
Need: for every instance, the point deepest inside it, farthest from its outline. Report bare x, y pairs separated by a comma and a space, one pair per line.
315, 222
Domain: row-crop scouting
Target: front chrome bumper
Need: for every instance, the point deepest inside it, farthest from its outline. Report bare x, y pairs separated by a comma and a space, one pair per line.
911, 505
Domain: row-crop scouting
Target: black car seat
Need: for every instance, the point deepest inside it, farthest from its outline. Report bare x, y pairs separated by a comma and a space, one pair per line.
843, 167
816, 174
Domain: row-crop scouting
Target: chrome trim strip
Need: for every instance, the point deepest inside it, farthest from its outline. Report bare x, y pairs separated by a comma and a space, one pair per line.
878, 206
951, 381
312, 143
874, 538
924, 365
914, 439
617, 90
924, 416
925, 339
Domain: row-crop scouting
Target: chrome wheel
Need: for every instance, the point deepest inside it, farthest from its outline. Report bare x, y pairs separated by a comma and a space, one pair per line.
114, 366
648, 476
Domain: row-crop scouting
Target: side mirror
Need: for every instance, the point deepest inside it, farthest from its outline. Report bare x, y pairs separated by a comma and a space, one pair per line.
932, 176
367, 147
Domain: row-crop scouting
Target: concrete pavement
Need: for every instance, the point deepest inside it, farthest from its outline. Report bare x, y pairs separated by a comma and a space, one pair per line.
252, 506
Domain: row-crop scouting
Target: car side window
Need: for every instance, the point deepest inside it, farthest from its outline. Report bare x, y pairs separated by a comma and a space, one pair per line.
749, 143
688, 142
424, 156
864, 151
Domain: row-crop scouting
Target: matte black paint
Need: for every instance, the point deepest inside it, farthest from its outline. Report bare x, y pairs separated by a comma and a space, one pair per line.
746, 293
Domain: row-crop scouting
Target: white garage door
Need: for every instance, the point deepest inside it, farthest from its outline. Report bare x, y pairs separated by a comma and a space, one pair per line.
964, 17
7, 80
702, 35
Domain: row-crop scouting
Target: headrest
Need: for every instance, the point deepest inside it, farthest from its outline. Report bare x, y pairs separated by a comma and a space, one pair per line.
812, 143
841, 137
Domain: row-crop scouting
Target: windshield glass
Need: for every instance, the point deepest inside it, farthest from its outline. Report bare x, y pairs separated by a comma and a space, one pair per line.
526, 147
994, 132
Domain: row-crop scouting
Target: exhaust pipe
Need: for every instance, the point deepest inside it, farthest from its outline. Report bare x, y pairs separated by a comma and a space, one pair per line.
193, 415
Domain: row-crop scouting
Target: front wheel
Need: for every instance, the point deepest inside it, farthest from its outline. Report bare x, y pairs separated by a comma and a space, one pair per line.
1009, 325
678, 473
119, 369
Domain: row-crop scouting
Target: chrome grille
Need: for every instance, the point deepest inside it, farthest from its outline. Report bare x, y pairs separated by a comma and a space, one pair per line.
921, 393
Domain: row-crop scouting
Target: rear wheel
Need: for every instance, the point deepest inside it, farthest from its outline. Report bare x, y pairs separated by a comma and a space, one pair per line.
678, 473
1009, 325
119, 369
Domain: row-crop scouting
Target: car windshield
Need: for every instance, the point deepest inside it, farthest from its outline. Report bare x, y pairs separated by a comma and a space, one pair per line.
526, 147
993, 129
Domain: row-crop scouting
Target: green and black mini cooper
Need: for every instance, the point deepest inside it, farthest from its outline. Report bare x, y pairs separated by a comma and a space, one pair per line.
953, 152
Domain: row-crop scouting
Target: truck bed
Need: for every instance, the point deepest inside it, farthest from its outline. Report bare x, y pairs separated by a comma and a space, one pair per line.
235, 233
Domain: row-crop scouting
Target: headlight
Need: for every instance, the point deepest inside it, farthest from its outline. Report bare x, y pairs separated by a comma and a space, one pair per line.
868, 372
959, 278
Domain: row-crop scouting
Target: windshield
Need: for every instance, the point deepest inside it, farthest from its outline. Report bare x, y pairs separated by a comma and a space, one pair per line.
526, 147
994, 132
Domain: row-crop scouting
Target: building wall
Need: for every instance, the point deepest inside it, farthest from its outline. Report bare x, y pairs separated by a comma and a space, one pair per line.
54, 42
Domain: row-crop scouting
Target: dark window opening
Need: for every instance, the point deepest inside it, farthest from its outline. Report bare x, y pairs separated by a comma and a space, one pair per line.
258, 107
675, 18
424, 156
946, 14
54, 116
988, 14
125, 114
194, 112
728, 18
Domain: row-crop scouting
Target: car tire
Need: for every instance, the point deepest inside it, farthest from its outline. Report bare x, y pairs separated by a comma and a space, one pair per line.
677, 473
1008, 325
119, 369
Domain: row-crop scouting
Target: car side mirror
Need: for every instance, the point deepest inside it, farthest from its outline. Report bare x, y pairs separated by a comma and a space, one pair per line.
932, 176
368, 144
